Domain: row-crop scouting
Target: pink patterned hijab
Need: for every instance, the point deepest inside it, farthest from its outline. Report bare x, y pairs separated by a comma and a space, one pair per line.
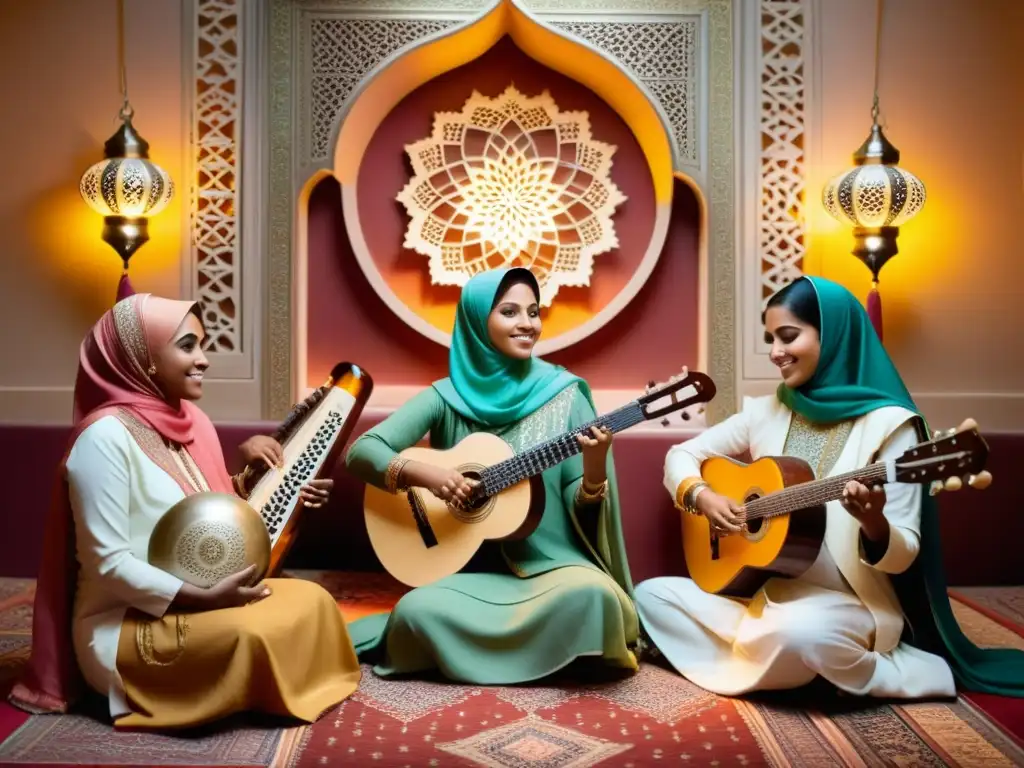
114, 370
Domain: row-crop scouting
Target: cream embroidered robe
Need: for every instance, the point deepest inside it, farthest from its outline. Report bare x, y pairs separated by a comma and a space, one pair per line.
841, 619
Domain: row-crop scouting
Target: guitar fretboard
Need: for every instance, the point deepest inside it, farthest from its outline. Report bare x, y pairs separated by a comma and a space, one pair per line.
812, 493
505, 474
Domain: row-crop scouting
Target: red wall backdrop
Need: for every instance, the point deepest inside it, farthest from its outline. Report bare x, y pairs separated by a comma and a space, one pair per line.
651, 339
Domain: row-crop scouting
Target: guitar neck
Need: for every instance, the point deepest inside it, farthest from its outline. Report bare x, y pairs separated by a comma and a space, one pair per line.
507, 473
814, 493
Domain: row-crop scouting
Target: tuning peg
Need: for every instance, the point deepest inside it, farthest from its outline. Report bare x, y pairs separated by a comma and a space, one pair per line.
980, 481
966, 425
664, 422
936, 488
953, 484
686, 416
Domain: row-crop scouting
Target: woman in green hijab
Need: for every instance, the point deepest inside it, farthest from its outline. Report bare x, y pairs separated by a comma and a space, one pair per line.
530, 607
871, 615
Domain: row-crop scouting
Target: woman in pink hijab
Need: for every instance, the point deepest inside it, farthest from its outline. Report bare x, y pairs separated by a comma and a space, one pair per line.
165, 653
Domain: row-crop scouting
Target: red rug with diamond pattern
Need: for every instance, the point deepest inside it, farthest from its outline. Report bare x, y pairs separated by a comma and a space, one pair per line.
651, 718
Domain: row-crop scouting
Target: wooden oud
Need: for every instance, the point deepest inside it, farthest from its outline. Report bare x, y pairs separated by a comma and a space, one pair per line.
420, 539
785, 508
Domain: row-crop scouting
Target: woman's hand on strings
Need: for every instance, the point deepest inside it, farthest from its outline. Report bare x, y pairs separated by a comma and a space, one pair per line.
448, 485
865, 504
723, 514
262, 448
315, 493
595, 448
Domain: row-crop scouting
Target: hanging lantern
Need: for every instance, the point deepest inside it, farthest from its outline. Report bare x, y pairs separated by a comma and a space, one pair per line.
126, 188
876, 196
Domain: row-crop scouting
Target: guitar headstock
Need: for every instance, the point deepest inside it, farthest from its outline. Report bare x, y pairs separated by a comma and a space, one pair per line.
663, 399
947, 459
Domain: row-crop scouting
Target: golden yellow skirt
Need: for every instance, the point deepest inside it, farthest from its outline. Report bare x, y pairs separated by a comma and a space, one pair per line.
288, 654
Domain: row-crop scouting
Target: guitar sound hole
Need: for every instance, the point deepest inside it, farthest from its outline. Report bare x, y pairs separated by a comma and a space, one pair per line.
475, 503
754, 525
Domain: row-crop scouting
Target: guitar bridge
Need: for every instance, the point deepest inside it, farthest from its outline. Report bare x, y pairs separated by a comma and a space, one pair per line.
420, 516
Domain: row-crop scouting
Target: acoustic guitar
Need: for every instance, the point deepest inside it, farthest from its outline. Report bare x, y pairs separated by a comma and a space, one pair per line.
785, 507
420, 538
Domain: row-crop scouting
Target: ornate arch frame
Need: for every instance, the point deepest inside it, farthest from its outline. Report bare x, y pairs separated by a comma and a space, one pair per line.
257, 145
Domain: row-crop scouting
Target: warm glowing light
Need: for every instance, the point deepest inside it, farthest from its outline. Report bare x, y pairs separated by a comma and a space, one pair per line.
874, 195
511, 181
126, 186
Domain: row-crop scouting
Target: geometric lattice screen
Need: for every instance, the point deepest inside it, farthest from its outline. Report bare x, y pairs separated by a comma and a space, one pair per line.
215, 131
782, 99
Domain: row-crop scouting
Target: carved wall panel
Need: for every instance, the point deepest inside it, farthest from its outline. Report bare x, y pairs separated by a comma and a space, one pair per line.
783, 99
320, 50
215, 129
680, 51
774, 80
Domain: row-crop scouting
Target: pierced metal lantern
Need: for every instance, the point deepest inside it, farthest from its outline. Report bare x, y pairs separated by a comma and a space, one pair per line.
126, 188
876, 196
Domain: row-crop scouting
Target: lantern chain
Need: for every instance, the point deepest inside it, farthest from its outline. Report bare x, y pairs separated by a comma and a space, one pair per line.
879, 9
126, 111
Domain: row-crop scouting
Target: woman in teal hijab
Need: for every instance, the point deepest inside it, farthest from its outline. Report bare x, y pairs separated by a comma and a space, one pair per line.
521, 609
871, 615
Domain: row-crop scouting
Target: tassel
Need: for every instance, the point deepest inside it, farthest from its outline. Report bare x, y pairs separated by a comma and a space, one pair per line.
875, 309
124, 287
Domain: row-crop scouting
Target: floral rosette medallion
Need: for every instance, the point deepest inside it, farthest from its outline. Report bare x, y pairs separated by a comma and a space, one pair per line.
511, 182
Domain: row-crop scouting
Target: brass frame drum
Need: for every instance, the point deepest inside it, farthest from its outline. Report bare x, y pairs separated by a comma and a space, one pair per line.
206, 537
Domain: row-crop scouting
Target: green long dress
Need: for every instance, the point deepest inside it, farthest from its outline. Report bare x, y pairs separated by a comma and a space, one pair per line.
562, 593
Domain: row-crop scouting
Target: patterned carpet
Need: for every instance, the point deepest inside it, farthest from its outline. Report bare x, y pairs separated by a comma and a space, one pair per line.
652, 718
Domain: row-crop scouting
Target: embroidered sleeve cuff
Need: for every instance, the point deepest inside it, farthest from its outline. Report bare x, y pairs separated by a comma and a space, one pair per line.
898, 556
162, 591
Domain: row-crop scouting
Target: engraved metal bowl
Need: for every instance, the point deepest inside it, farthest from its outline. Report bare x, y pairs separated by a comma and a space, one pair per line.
208, 536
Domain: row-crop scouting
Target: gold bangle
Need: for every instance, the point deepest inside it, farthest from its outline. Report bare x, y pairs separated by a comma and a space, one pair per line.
683, 488
393, 474
586, 497
690, 497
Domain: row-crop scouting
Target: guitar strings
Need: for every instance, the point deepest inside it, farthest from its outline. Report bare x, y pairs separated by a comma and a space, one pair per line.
535, 460
809, 494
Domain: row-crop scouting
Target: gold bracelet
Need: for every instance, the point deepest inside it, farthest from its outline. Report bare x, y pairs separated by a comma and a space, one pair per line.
690, 496
685, 495
586, 497
394, 474
684, 485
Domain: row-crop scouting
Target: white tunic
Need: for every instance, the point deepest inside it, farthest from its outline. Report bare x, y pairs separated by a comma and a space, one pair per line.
117, 495
840, 620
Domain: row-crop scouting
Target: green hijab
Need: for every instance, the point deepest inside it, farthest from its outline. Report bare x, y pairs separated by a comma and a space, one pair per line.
856, 376
484, 385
